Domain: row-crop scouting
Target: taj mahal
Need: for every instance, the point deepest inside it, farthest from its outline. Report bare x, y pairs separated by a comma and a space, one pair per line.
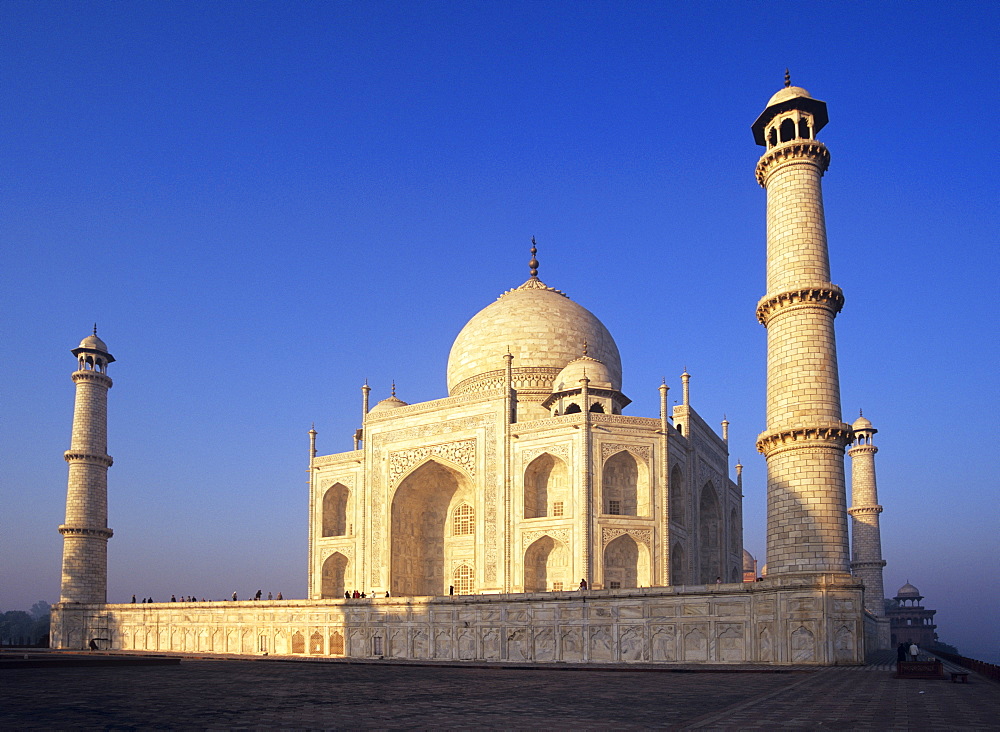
526, 516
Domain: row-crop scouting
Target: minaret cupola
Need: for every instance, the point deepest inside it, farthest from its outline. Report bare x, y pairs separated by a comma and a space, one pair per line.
790, 115
92, 354
604, 395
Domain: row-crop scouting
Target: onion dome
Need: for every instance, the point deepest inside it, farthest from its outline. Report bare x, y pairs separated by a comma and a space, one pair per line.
790, 97
908, 590
91, 347
542, 328
862, 423
597, 373
386, 404
392, 402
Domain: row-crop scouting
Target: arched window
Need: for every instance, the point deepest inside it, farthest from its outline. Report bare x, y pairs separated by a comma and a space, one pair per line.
546, 487
677, 495
464, 521
709, 535
335, 510
463, 580
735, 534
573, 409
804, 129
621, 485
595, 407
678, 575
772, 137
788, 130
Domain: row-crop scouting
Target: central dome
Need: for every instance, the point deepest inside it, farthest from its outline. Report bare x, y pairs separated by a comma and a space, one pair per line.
543, 329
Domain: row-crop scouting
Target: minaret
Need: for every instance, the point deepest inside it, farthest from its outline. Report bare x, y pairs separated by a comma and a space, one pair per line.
805, 436
86, 532
866, 539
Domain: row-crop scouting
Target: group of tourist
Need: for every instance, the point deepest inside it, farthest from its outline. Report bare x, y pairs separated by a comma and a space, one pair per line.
907, 651
192, 598
348, 595
259, 595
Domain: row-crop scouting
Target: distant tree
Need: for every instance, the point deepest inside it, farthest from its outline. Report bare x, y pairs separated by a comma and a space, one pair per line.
20, 628
944, 647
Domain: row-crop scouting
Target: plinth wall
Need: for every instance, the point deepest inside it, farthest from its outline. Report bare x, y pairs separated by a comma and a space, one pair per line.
818, 619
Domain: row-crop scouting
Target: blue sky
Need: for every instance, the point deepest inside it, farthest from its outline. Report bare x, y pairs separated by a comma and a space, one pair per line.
264, 204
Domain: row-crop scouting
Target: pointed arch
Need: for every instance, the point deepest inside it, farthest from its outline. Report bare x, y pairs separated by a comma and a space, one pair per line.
677, 493
709, 535
334, 580
463, 580
546, 483
546, 566
335, 502
626, 564
624, 483
678, 565
463, 520
419, 534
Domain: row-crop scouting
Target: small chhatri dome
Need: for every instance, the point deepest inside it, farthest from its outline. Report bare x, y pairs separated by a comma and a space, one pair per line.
789, 92
93, 344
385, 405
862, 423
908, 590
392, 402
543, 329
787, 98
597, 373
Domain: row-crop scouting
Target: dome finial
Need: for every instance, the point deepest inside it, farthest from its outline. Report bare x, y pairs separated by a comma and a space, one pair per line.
95, 328
584, 346
533, 264
788, 78
393, 387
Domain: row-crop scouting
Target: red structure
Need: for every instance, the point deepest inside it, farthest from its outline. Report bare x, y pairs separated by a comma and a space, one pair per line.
910, 621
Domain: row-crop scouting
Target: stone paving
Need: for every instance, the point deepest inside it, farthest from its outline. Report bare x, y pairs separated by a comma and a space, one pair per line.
206, 693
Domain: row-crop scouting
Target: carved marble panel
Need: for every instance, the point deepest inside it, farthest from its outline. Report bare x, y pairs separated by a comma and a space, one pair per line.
461, 453
632, 643
545, 644
571, 643
517, 644
640, 452
559, 450
695, 643
601, 643
663, 643
491, 644
640, 536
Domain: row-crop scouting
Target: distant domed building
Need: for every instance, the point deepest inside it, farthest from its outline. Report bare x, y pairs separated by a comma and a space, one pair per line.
749, 567
910, 621
527, 477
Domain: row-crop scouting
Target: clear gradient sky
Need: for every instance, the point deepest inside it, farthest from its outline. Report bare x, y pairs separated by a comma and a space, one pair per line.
264, 204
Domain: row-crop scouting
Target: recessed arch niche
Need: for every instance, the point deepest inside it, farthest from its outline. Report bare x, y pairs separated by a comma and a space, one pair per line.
422, 505
546, 483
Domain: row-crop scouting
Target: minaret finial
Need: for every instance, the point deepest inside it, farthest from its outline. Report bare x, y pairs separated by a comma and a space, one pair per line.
861, 413
533, 264
394, 387
584, 346
95, 328
788, 78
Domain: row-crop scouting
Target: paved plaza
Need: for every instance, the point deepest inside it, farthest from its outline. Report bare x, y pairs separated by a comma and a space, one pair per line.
206, 693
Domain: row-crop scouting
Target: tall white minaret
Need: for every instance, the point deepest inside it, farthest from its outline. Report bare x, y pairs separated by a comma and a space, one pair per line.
866, 537
86, 532
805, 436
